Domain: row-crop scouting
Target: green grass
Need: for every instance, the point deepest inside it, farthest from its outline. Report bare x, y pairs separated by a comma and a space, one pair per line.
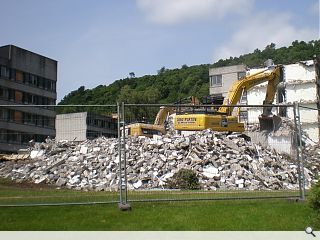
257, 215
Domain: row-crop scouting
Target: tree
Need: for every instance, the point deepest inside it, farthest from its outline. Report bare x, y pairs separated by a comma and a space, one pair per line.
162, 70
132, 75
170, 85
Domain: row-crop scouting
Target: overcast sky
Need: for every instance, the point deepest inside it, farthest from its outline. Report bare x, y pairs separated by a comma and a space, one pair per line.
99, 41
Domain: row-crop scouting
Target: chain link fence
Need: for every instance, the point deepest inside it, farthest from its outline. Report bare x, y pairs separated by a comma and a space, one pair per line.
62, 155
96, 154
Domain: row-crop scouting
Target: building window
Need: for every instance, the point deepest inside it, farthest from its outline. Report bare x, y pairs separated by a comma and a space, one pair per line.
216, 80
26, 77
244, 98
18, 96
4, 114
11, 95
243, 117
4, 93
11, 115
241, 75
12, 74
26, 118
13, 136
26, 137
4, 72
19, 76
3, 135
53, 86
18, 117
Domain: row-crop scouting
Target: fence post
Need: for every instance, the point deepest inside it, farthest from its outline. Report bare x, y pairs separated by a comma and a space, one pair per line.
298, 140
123, 195
301, 153
124, 154
119, 152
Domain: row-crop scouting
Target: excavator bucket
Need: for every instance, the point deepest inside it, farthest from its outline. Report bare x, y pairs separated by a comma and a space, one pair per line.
270, 123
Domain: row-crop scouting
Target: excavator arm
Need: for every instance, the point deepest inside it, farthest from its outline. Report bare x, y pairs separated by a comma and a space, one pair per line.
162, 115
246, 83
267, 120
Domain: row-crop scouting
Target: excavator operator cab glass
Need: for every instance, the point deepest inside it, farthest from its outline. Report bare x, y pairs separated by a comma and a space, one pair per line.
224, 122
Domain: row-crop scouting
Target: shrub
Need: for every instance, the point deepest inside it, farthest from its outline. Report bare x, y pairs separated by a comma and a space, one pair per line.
314, 198
184, 179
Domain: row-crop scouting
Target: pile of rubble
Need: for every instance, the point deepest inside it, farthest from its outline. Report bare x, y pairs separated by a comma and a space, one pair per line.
311, 157
220, 162
286, 125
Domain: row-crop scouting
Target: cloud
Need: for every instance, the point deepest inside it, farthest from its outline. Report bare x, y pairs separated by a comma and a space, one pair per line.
260, 30
172, 12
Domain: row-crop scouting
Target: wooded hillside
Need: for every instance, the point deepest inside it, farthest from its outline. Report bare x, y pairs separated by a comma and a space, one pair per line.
170, 85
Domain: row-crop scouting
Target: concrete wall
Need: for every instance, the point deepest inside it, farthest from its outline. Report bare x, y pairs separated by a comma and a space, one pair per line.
302, 92
303, 70
229, 76
281, 143
71, 126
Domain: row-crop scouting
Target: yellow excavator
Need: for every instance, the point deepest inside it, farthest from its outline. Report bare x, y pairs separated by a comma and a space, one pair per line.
222, 119
148, 130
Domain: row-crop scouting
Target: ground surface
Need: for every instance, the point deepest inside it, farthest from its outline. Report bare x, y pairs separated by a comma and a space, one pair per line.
226, 215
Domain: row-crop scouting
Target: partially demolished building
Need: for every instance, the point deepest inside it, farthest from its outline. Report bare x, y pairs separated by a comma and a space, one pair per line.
301, 85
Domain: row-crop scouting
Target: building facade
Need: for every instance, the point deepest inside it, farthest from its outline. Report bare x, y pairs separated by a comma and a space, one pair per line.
222, 78
83, 125
27, 79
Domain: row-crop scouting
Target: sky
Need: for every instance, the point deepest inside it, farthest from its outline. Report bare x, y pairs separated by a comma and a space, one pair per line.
97, 42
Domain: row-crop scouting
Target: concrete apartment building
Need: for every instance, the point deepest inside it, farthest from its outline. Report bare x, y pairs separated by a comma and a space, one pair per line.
26, 78
222, 78
83, 125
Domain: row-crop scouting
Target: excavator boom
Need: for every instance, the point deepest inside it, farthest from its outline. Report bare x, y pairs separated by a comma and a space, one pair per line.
246, 83
162, 115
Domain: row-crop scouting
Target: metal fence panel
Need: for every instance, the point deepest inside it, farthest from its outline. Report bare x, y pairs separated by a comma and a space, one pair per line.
86, 156
75, 164
228, 166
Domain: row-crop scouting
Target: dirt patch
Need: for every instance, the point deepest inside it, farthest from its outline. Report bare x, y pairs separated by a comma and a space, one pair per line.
5, 182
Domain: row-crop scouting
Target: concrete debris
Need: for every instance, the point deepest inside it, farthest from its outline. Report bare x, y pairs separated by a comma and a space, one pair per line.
287, 127
220, 162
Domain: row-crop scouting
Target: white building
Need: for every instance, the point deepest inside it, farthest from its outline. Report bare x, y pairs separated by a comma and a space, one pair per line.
84, 125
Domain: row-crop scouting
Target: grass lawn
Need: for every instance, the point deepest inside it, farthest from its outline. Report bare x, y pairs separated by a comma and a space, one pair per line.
240, 215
